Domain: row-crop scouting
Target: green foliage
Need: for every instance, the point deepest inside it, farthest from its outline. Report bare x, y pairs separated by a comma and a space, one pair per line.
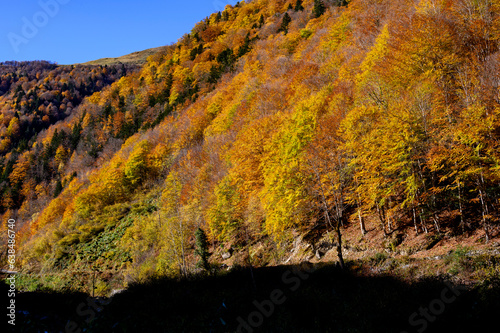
379, 258
298, 6
318, 9
58, 189
245, 48
136, 168
459, 259
284, 194
226, 59
284, 23
202, 249
224, 216
305, 33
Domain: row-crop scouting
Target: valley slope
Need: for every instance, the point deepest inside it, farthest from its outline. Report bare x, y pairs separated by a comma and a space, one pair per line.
271, 125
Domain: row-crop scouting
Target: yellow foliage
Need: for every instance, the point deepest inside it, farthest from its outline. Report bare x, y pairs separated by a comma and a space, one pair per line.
95, 98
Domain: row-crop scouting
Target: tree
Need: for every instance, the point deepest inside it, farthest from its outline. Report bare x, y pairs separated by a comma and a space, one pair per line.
224, 215
173, 225
318, 9
284, 23
245, 47
202, 249
261, 20
58, 188
218, 17
136, 168
298, 6
328, 161
226, 58
284, 194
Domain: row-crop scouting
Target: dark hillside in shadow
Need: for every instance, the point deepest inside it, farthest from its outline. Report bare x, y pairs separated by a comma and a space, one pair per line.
283, 299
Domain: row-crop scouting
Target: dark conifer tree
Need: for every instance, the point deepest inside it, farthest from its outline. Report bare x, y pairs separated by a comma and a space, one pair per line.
202, 249
261, 20
58, 189
284, 23
298, 6
318, 9
245, 47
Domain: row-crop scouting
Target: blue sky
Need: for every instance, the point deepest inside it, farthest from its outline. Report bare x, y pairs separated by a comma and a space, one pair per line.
74, 31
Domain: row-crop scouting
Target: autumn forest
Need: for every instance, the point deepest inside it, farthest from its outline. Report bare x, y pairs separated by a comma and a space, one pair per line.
269, 120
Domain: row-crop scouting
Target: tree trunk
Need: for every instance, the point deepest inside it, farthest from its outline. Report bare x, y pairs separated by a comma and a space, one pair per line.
436, 222
422, 222
361, 222
484, 212
339, 247
462, 223
381, 216
415, 220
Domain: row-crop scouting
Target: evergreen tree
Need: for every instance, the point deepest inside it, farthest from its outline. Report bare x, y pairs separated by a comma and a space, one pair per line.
58, 189
318, 9
284, 23
226, 58
75, 135
215, 74
245, 47
261, 20
289, 7
202, 249
298, 6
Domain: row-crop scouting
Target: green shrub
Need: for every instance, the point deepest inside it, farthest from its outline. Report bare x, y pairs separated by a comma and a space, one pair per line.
305, 33
459, 260
379, 258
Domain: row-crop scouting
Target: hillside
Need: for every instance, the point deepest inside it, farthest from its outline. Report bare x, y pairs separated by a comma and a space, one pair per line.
286, 131
33, 97
134, 58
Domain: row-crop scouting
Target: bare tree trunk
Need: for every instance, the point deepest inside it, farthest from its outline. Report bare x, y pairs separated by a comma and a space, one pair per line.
249, 260
93, 282
484, 206
415, 220
422, 222
183, 252
323, 199
389, 223
339, 247
382, 218
361, 222
339, 214
460, 209
435, 218
484, 212
360, 215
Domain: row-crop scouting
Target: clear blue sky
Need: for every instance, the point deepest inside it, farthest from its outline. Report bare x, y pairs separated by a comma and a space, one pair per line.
74, 31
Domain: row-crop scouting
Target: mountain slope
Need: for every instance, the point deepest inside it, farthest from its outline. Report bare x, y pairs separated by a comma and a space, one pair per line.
268, 122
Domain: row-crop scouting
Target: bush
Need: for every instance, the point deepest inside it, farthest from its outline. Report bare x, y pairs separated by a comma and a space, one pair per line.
379, 258
305, 33
459, 260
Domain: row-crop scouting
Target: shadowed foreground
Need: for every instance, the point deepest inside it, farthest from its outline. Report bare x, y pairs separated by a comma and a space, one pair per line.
282, 299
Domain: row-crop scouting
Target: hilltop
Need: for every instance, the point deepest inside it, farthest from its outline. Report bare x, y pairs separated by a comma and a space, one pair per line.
135, 58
